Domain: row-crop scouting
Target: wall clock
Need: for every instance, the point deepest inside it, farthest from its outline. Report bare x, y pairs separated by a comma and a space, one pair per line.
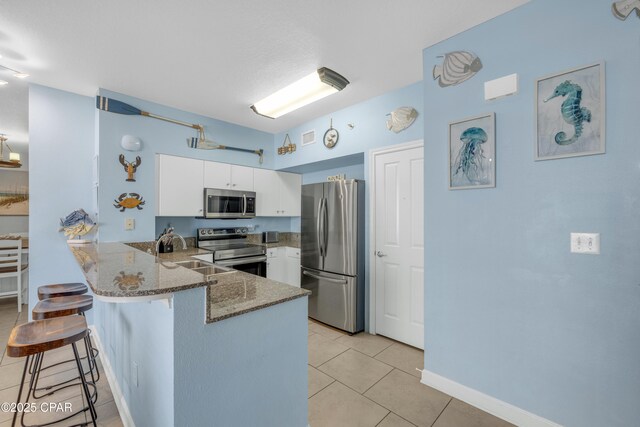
331, 136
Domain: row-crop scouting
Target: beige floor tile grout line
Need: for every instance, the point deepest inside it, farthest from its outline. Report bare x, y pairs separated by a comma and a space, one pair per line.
442, 412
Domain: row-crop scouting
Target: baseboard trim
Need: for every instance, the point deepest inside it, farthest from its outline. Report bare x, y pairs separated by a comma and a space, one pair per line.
118, 397
487, 403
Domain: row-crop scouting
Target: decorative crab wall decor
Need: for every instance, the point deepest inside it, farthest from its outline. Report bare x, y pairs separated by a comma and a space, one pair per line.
128, 282
130, 167
130, 201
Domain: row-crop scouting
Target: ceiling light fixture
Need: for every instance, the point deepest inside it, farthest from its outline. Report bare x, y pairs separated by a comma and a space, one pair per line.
3, 82
16, 73
14, 158
311, 88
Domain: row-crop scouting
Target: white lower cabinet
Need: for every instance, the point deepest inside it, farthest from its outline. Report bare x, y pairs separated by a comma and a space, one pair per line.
283, 265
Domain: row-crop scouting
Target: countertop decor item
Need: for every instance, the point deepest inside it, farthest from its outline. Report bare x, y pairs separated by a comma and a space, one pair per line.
129, 201
14, 158
472, 151
401, 118
331, 136
623, 8
317, 85
287, 148
114, 106
457, 67
130, 167
570, 113
77, 223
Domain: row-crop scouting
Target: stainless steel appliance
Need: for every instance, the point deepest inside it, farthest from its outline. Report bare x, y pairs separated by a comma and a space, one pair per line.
270, 237
220, 203
230, 249
332, 252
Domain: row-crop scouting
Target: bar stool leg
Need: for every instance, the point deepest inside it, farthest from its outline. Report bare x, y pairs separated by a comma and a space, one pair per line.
24, 374
92, 409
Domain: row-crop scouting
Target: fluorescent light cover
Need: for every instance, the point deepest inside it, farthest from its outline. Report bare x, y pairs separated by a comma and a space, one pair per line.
21, 75
308, 89
2, 83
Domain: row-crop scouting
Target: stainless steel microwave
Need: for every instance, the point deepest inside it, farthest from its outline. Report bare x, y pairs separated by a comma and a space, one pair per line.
219, 203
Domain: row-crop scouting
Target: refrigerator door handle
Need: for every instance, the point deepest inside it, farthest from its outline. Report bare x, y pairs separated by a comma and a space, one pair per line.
319, 226
325, 229
326, 279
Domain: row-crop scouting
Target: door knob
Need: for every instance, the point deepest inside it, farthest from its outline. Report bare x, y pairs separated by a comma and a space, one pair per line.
380, 254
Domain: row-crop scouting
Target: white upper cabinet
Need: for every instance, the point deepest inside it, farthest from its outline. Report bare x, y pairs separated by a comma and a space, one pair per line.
226, 176
290, 193
277, 193
179, 186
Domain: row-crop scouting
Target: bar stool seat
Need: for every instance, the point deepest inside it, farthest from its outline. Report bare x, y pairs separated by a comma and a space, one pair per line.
44, 335
61, 290
62, 306
35, 338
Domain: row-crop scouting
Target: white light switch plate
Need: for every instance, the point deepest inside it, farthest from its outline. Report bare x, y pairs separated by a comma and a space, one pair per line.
585, 243
129, 224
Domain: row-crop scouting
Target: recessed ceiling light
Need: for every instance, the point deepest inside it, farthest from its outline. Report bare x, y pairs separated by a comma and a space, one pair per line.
2, 83
322, 82
21, 75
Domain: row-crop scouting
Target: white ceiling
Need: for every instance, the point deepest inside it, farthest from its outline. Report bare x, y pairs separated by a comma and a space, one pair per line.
218, 57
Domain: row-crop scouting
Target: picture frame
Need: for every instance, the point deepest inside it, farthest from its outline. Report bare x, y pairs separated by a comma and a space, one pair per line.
14, 193
570, 113
472, 152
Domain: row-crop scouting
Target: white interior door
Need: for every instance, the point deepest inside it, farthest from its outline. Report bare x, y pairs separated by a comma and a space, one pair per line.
399, 245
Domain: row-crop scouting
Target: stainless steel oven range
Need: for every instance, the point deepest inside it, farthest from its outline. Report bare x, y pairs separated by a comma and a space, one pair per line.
230, 249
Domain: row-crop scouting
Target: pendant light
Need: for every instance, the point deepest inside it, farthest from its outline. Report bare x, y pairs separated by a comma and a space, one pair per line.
14, 158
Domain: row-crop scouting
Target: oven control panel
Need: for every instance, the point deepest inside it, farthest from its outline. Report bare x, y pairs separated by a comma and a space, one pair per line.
220, 233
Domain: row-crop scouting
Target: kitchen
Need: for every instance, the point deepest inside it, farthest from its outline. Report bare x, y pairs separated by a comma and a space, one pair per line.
504, 325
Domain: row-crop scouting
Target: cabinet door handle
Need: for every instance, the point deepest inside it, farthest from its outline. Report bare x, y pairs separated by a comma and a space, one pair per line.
227, 184
233, 185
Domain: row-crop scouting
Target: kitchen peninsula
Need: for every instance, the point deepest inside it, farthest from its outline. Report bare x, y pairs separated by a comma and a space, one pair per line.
226, 341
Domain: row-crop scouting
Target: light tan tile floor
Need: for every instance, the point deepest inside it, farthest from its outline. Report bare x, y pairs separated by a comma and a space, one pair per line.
371, 381
11, 372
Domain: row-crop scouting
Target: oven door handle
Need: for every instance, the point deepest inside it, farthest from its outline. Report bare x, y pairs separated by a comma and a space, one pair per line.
241, 261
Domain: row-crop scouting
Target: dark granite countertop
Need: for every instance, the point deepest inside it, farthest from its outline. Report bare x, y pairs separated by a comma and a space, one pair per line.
118, 270
291, 240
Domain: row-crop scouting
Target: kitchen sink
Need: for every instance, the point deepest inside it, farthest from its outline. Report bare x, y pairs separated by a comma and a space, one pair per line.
193, 264
202, 267
212, 269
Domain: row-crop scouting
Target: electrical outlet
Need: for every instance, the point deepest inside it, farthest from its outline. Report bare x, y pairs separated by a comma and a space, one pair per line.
585, 243
129, 224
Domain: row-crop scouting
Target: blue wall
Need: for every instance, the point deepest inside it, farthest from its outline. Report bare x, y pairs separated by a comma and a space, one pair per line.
260, 357
508, 310
165, 138
61, 150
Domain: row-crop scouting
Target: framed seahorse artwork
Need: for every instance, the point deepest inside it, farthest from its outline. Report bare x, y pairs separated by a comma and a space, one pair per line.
570, 113
472, 153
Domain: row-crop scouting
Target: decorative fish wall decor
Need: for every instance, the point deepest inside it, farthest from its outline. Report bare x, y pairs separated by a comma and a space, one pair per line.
623, 8
76, 224
456, 68
571, 111
401, 118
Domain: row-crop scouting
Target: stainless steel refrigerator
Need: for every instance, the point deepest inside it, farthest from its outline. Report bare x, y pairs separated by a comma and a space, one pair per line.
332, 252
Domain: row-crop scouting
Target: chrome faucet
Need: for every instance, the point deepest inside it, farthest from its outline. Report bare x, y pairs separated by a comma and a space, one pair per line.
170, 234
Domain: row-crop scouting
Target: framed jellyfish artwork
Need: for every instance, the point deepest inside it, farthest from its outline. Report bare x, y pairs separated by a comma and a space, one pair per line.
472, 153
570, 113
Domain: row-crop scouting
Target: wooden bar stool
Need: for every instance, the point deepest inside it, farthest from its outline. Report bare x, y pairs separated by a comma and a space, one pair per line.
61, 290
59, 307
35, 338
